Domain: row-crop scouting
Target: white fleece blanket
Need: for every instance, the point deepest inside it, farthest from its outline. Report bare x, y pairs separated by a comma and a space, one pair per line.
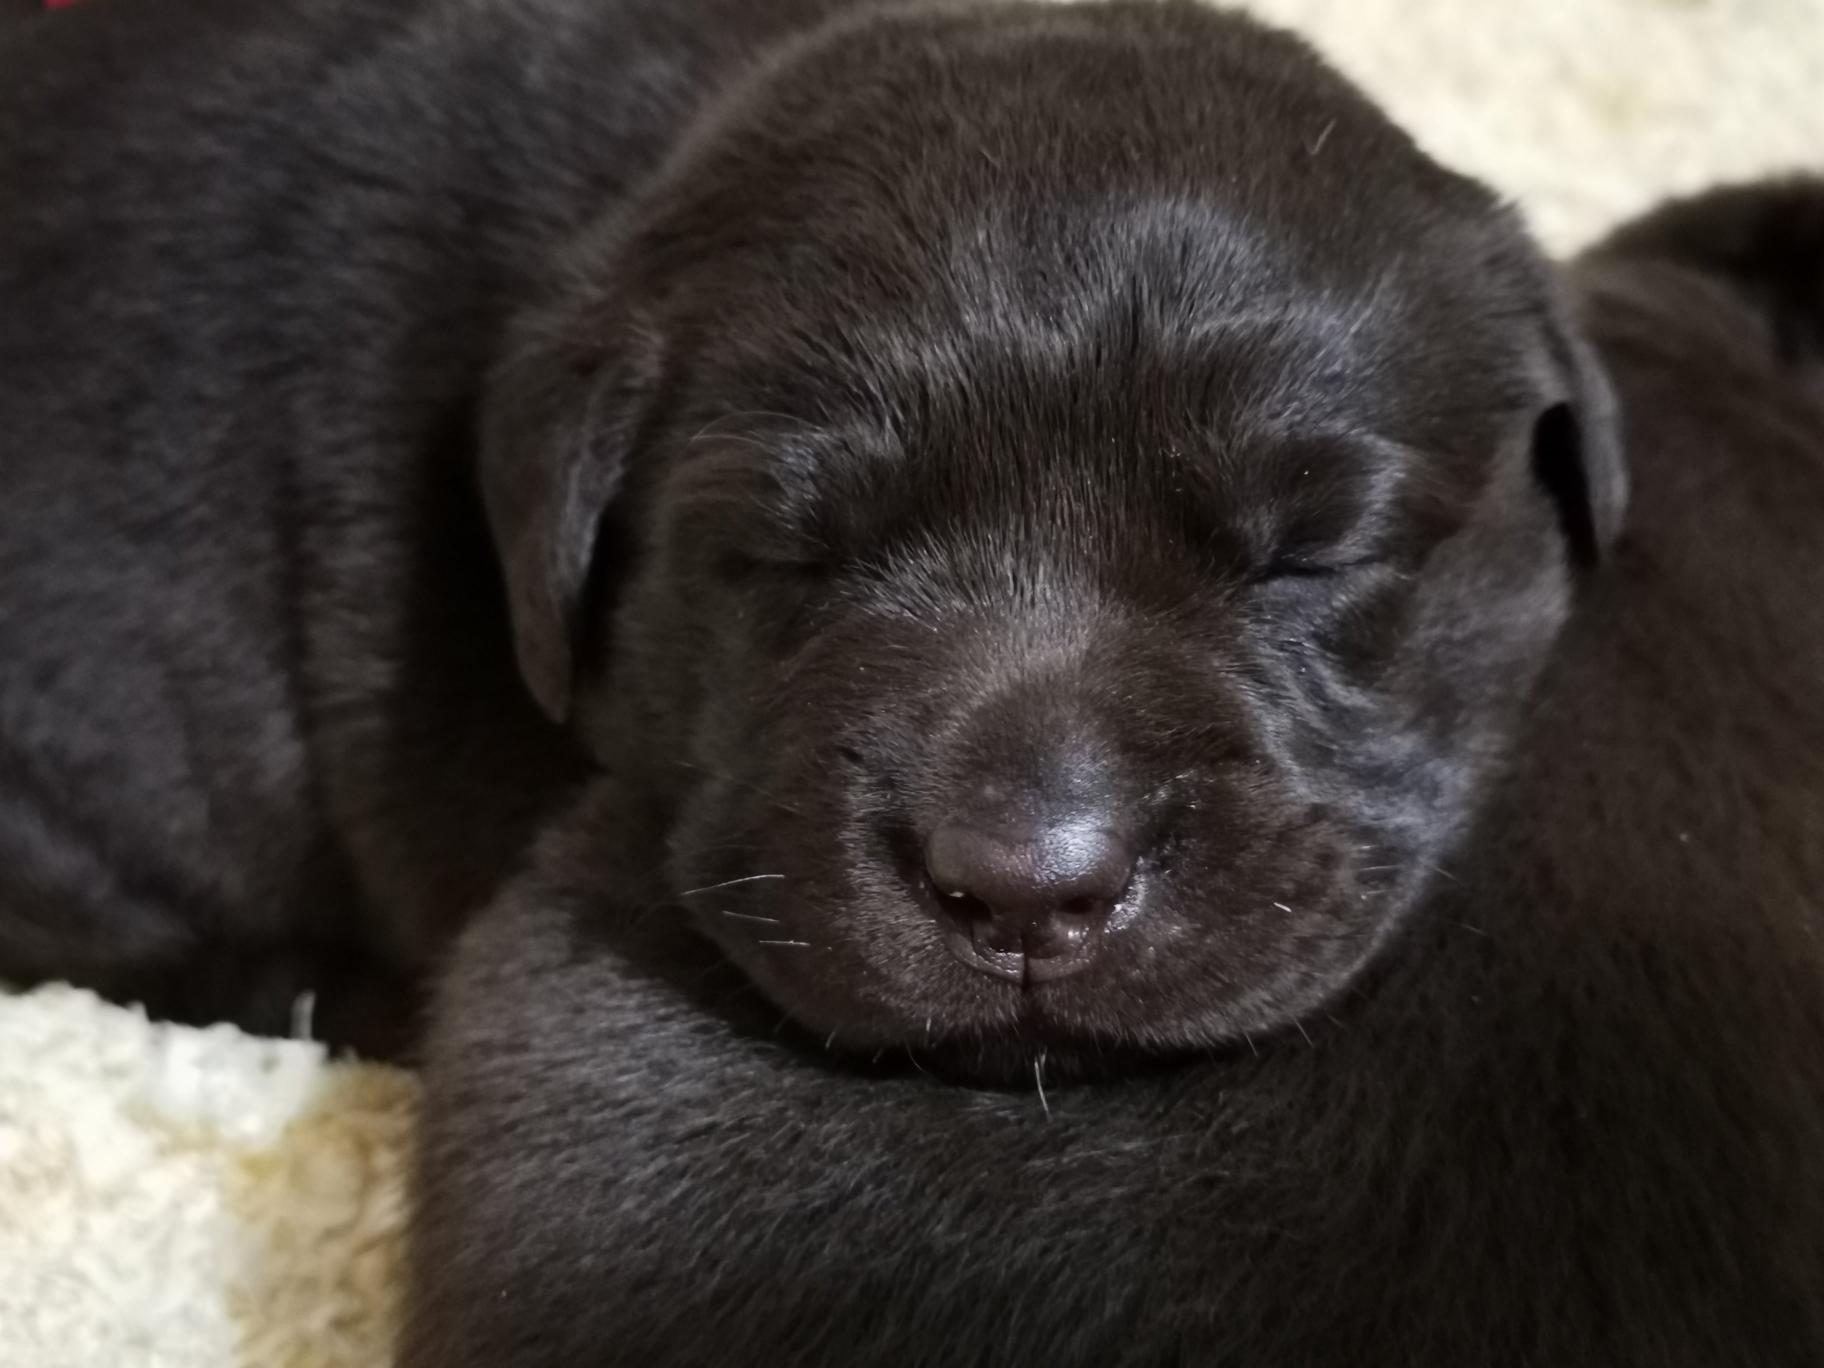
197, 1199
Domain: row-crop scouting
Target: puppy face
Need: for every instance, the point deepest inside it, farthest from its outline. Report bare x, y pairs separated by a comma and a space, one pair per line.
1073, 545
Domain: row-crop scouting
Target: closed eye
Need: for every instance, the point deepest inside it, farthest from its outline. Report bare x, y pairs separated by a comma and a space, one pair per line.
744, 567
1294, 567
1305, 567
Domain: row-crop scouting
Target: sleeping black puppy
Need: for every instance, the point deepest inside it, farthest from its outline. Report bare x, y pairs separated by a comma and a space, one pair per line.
1011, 542
1574, 1117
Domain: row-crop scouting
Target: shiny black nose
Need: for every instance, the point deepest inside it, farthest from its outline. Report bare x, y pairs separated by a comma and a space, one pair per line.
1028, 902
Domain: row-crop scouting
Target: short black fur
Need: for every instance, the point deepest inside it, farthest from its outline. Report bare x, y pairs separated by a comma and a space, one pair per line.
1576, 1118
642, 467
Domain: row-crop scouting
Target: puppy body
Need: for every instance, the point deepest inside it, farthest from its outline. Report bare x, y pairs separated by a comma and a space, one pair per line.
1578, 1119
257, 701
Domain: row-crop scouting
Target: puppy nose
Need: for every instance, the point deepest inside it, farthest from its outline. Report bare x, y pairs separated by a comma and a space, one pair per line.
1030, 903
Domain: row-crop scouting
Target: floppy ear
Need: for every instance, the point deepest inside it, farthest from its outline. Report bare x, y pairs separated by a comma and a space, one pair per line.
1577, 446
558, 422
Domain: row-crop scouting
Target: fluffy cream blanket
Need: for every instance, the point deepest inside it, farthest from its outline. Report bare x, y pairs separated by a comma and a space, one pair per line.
199, 1199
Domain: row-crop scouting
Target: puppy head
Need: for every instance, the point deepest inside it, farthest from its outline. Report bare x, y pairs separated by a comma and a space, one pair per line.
1060, 507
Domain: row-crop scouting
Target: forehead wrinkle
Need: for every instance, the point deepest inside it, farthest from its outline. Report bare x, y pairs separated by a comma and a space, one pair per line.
1144, 363
1059, 263
930, 422
1022, 608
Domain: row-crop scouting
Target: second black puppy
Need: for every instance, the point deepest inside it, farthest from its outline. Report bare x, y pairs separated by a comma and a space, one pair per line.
1035, 522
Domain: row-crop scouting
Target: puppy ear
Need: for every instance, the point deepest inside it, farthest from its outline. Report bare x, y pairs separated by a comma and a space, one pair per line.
558, 423
1577, 445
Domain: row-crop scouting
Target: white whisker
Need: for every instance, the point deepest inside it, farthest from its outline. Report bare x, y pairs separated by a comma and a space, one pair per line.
750, 916
728, 883
802, 945
1038, 1077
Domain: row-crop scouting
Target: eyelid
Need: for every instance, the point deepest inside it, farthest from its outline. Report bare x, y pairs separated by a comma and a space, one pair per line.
1291, 567
749, 563
1312, 568
742, 540
1312, 553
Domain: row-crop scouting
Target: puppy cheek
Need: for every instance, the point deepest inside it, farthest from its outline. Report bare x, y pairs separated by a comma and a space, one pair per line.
1509, 586
826, 934
1313, 953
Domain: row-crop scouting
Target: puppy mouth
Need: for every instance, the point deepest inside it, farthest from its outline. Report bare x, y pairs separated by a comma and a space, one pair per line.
1067, 947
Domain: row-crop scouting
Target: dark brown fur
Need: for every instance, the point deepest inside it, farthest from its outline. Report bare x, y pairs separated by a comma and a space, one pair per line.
666, 460
1577, 1120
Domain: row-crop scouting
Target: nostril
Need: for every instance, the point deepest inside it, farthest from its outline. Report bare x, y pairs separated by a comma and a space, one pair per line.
964, 906
1031, 902
964, 862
